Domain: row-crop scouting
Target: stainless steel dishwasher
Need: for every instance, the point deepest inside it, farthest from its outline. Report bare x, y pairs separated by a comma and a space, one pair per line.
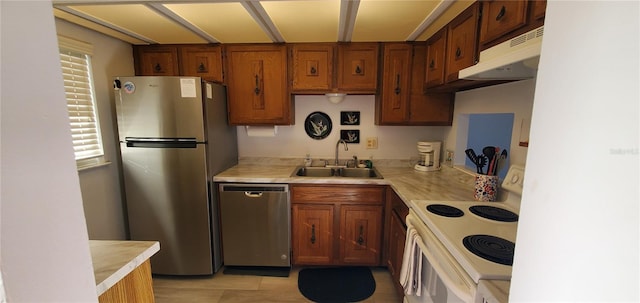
256, 224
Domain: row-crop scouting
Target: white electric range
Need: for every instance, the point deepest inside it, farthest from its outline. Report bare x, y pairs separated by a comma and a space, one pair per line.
477, 241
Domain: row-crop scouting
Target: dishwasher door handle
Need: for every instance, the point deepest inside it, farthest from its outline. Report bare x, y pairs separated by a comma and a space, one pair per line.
253, 194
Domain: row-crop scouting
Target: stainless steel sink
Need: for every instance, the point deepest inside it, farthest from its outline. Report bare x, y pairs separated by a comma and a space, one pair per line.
320, 172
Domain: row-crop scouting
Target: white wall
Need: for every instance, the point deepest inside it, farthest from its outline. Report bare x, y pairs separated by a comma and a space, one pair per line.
514, 97
44, 250
394, 142
578, 232
101, 193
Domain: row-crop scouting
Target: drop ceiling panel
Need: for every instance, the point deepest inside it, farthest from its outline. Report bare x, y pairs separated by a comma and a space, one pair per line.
389, 20
305, 21
227, 22
96, 27
141, 20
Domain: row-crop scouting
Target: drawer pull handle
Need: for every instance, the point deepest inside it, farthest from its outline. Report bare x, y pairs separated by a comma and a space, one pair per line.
257, 89
397, 90
361, 236
503, 10
313, 234
432, 64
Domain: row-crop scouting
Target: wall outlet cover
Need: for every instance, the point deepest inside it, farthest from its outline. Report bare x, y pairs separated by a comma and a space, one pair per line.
372, 143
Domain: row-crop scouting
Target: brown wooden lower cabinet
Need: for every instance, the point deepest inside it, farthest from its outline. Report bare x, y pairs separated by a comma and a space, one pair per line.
337, 224
137, 287
396, 232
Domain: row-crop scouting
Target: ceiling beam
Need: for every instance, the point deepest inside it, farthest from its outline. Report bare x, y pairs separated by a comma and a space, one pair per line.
261, 17
348, 13
163, 10
105, 24
435, 13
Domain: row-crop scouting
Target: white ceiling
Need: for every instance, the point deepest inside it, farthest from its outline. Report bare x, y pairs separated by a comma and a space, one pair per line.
261, 21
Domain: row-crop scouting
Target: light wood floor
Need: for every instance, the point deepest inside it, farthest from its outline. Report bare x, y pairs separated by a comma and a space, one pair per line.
221, 288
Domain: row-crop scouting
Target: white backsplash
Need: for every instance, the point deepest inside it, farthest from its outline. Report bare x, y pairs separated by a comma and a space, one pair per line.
394, 142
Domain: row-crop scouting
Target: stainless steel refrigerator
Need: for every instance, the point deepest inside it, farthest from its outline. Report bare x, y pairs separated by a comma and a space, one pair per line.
174, 138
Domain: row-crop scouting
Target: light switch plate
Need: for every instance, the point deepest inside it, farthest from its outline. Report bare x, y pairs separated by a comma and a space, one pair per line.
372, 143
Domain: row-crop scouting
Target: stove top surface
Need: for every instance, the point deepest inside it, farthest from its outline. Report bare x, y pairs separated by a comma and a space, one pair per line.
497, 237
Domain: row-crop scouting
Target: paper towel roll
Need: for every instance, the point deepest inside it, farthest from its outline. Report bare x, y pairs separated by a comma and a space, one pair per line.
261, 131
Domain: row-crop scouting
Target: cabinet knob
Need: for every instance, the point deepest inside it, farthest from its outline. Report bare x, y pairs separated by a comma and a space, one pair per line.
358, 70
458, 52
157, 68
432, 64
201, 67
313, 234
313, 70
361, 236
397, 90
503, 10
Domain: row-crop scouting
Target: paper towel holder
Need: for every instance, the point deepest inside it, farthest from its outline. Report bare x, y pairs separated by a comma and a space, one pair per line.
335, 98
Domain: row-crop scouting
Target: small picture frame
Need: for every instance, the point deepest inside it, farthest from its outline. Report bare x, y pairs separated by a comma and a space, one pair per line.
350, 118
350, 135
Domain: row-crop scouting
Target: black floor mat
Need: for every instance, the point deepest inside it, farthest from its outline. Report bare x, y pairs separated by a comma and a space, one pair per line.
267, 271
336, 285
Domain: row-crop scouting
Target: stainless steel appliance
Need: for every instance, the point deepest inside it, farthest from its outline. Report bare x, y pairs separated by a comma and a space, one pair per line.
256, 224
464, 248
174, 138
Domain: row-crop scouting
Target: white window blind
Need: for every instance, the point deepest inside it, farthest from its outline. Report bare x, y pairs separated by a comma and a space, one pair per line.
78, 85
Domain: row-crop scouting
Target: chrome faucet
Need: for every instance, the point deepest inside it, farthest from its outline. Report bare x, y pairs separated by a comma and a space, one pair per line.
345, 148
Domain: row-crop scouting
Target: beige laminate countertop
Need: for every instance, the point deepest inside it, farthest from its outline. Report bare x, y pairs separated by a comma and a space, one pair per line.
113, 260
448, 184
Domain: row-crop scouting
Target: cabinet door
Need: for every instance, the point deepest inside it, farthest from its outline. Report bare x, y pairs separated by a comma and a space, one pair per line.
462, 43
152, 60
312, 234
436, 56
201, 61
358, 67
395, 90
257, 85
538, 9
312, 67
360, 234
397, 235
501, 17
429, 108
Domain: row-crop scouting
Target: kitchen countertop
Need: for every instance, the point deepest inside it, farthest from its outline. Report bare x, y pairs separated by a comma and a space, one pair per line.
448, 184
113, 260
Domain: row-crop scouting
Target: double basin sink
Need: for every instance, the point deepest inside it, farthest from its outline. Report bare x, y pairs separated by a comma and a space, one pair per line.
344, 172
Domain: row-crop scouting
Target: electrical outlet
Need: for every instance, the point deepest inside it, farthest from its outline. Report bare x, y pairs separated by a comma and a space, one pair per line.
372, 143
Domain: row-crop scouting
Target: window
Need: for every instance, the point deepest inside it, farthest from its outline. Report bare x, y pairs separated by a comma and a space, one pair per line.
75, 58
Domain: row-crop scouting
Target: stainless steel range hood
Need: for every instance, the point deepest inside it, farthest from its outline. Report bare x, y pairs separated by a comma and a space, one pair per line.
515, 59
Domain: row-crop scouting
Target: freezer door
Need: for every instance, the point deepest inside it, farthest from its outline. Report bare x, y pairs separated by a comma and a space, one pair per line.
161, 107
167, 201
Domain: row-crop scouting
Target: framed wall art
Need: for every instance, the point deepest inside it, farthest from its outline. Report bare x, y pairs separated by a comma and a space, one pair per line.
350, 135
349, 118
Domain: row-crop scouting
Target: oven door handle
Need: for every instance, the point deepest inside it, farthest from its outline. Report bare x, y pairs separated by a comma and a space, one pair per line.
463, 287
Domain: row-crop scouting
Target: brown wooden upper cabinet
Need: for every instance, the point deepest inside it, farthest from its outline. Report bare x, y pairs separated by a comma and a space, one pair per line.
358, 68
257, 85
156, 60
312, 67
503, 20
453, 48
501, 17
203, 61
402, 100
318, 68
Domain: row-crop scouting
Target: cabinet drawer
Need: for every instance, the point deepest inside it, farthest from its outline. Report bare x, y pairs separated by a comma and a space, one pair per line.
337, 194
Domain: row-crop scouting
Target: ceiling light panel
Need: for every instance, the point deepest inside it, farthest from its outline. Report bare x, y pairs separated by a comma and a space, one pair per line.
227, 22
389, 20
141, 20
305, 21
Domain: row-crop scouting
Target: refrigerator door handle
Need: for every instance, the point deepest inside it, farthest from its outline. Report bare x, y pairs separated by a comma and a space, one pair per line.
161, 142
